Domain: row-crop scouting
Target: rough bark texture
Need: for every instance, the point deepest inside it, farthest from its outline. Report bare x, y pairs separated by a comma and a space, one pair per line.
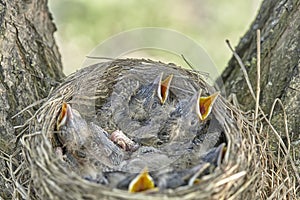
29, 66
279, 22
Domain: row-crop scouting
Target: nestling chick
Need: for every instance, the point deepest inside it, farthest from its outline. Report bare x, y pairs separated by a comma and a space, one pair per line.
188, 119
87, 146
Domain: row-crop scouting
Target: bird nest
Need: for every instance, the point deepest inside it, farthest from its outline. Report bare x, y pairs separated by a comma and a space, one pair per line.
249, 167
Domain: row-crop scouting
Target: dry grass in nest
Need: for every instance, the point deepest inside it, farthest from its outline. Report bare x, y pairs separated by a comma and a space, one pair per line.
251, 169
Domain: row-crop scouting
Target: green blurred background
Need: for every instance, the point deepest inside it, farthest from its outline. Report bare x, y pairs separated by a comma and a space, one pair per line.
84, 24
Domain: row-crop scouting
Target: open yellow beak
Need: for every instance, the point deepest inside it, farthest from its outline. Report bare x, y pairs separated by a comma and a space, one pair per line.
205, 104
163, 88
142, 182
65, 113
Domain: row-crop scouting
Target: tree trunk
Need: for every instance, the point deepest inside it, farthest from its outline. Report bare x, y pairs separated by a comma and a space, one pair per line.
279, 22
30, 66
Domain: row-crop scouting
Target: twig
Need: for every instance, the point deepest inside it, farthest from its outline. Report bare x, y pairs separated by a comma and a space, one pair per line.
284, 119
237, 57
205, 75
100, 57
187, 62
231, 178
30, 106
258, 77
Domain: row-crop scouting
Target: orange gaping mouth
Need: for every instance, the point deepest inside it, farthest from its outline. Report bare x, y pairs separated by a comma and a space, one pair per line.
205, 105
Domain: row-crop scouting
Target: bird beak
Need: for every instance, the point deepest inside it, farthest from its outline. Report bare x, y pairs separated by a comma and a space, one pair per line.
205, 104
65, 114
221, 153
163, 88
215, 155
142, 182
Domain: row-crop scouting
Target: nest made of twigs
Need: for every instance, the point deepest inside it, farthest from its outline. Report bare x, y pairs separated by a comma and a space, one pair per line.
249, 170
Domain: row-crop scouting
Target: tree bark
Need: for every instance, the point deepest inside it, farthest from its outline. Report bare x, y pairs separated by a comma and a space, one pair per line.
279, 22
30, 66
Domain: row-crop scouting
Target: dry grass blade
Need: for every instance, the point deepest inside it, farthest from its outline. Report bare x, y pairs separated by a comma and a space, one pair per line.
231, 178
258, 77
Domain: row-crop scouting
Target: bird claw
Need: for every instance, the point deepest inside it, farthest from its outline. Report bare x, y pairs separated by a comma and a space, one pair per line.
123, 141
